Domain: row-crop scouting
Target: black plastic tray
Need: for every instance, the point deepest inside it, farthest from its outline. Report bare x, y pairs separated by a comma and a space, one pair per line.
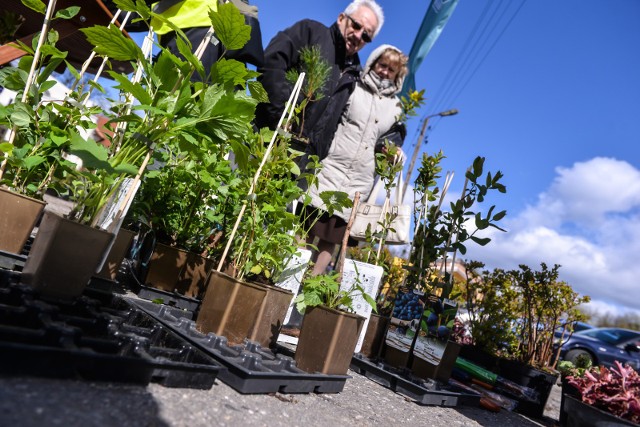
169, 298
98, 337
424, 392
250, 368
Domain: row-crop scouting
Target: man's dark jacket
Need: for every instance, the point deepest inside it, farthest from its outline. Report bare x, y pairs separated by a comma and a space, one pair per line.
282, 54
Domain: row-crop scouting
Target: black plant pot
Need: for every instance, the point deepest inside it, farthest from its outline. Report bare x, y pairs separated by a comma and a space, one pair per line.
540, 381
580, 414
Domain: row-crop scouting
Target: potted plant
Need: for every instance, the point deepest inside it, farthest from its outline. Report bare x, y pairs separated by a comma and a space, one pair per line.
43, 136
424, 313
607, 396
513, 315
172, 112
329, 332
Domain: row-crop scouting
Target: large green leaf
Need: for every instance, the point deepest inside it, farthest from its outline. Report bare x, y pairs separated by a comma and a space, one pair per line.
229, 71
36, 5
230, 27
257, 91
112, 43
92, 154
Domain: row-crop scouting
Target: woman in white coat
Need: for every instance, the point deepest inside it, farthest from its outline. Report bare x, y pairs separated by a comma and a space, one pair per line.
373, 108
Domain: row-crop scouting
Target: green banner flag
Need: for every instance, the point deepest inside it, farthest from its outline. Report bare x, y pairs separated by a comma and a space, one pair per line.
433, 23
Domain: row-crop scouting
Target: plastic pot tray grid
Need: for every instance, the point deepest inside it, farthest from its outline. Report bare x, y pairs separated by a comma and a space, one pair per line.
100, 338
250, 368
424, 392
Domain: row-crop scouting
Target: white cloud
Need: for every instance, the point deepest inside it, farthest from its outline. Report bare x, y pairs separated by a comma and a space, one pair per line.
588, 221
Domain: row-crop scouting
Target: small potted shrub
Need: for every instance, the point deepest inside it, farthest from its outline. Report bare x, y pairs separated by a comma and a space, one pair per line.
329, 332
513, 315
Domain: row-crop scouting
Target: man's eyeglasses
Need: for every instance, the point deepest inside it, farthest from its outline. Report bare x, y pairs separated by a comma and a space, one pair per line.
358, 26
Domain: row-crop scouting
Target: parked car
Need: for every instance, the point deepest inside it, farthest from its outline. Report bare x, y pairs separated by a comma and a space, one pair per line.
604, 346
570, 329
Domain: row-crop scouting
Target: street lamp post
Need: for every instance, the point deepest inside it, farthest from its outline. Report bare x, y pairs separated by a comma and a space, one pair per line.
451, 112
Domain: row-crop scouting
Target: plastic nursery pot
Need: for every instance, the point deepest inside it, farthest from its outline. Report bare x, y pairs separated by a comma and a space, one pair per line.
230, 307
271, 316
64, 256
442, 371
18, 216
327, 340
580, 414
193, 277
165, 267
374, 336
116, 254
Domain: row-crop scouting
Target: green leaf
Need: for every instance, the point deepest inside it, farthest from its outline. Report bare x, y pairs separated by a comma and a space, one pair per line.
92, 154
229, 71
67, 13
135, 89
257, 91
33, 161
482, 241
112, 43
478, 163
499, 215
36, 5
6, 147
230, 27
22, 116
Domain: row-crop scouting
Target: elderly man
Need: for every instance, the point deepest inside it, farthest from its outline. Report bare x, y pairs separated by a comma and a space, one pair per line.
357, 25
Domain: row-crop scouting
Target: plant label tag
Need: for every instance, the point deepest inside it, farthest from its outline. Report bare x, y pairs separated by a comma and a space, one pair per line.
435, 328
291, 277
369, 277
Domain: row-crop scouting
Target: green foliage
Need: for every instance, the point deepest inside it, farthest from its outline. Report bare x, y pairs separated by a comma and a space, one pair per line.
317, 70
439, 232
324, 289
229, 26
515, 313
410, 105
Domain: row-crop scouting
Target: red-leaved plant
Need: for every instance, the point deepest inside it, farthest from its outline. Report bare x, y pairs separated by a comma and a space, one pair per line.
615, 390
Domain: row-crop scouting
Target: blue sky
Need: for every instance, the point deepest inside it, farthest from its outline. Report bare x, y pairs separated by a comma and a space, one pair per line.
554, 103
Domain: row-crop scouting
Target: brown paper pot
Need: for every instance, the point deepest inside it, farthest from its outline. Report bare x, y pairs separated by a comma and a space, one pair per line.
18, 215
230, 307
271, 316
165, 267
64, 256
327, 340
442, 371
374, 337
117, 254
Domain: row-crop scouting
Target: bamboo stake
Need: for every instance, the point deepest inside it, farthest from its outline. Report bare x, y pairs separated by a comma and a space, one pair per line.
289, 109
345, 238
32, 72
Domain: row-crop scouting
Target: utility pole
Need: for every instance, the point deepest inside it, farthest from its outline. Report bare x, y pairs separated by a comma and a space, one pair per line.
416, 150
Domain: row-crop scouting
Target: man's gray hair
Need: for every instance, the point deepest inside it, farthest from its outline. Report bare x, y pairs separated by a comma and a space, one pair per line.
372, 5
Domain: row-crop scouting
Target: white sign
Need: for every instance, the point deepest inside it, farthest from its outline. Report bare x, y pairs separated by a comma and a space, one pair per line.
369, 276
